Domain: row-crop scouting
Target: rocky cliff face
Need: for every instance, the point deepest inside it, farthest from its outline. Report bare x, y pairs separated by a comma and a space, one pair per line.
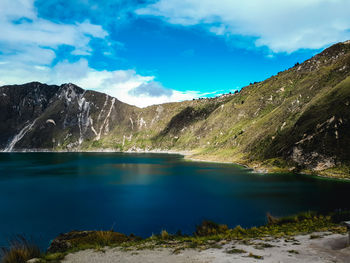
38, 116
298, 119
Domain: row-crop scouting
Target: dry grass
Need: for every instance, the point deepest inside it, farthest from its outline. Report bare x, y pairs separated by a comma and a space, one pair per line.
19, 251
164, 234
209, 228
101, 238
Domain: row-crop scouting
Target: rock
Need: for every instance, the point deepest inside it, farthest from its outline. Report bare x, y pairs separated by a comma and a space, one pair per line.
325, 163
34, 260
72, 239
293, 169
51, 121
62, 242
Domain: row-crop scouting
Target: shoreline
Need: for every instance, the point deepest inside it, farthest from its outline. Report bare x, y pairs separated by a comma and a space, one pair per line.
278, 240
187, 156
184, 153
302, 248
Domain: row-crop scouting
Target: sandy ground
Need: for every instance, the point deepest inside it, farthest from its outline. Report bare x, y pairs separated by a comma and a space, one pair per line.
326, 248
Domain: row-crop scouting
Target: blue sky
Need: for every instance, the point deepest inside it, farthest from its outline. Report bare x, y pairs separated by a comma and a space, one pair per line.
152, 51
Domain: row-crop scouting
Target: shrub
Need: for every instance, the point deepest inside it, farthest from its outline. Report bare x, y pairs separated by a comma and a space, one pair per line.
19, 251
271, 220
97, 144
105, 238
209, 228
290, 219
164, 234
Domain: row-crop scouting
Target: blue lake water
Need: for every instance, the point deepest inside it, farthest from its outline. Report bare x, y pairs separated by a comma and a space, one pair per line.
44, 194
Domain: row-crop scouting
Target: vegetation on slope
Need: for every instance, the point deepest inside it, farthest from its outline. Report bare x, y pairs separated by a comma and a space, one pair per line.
19, 251
295, 121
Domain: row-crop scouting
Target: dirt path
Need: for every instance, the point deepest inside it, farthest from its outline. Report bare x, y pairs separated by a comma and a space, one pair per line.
317, 248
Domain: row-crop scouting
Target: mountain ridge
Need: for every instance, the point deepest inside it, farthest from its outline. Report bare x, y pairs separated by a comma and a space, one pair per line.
296, 120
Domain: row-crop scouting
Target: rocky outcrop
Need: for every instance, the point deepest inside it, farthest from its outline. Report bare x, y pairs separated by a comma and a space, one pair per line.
67, 241
38, 116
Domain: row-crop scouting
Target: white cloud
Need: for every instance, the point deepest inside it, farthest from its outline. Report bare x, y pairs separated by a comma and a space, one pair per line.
17, 8
118, 83
28, 47
26, 37
122, 83
151, 89
283, 26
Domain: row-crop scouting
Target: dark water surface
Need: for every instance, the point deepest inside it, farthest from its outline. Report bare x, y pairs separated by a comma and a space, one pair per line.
44, 194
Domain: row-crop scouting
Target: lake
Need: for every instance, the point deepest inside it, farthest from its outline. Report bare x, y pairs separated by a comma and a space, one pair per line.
45, 194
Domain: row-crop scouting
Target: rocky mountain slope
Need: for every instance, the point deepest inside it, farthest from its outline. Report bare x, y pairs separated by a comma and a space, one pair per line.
296, 120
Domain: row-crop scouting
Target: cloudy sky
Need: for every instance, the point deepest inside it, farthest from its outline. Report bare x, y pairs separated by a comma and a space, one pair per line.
152, 51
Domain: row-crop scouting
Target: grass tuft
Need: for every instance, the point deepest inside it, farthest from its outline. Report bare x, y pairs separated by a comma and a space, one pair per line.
251, 255
164, 234
293, 251
209, 228
19, 251
235, 251
313, 236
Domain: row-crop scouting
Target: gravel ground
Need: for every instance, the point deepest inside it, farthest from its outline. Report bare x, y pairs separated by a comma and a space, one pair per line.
320, 247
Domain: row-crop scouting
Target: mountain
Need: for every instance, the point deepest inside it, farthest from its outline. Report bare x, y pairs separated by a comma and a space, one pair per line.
297, 120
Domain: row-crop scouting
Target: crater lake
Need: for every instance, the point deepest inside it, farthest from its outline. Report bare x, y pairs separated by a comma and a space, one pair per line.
45, 194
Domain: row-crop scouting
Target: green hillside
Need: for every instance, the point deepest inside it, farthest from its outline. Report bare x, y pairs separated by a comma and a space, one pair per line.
297, 120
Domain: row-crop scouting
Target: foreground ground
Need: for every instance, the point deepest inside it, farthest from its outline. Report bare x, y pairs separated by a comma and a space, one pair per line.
318, 247
305, 237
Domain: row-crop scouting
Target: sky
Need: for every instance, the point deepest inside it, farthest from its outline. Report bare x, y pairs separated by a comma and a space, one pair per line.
146, 52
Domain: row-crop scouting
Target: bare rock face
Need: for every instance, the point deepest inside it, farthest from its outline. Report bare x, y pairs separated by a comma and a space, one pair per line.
313, 160
38, 116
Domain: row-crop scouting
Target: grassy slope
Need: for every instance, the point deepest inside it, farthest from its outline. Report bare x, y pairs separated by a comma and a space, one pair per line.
278, 124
